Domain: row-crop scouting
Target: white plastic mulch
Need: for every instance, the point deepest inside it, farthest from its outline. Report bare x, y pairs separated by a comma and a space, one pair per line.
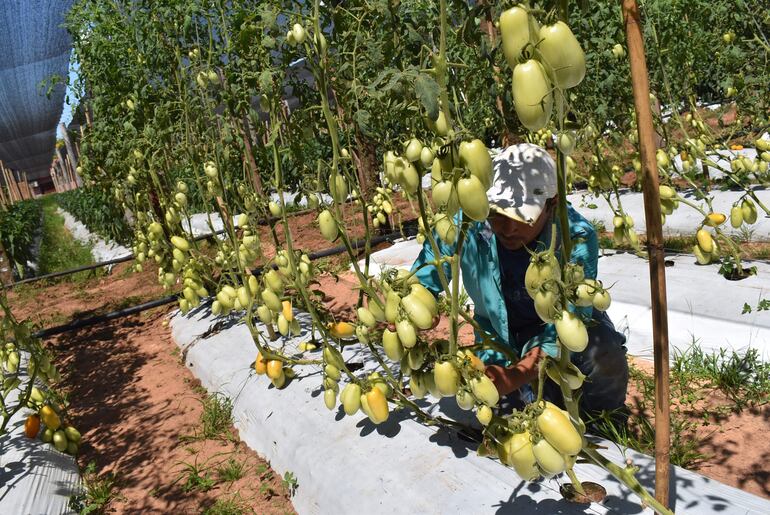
703, 307
101, 250
684, 220
348, 465
35, 478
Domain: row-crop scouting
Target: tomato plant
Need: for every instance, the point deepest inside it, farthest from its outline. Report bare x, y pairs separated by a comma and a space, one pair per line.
18, 226
226, 107
28, 383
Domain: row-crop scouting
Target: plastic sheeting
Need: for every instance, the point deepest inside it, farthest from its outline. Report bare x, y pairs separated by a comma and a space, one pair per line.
35, 478
683, 221
714, 321
33, 47
101, 250
348, 465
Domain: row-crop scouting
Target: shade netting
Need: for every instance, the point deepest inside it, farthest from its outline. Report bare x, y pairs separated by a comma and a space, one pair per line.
33, 47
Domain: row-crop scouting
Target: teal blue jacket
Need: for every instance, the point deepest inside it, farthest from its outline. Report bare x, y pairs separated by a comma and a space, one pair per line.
481, 278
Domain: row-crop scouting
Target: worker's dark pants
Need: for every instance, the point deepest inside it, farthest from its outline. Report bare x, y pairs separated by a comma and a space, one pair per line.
604, 365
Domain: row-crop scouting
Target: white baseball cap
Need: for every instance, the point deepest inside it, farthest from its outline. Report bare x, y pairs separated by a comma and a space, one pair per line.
524, 179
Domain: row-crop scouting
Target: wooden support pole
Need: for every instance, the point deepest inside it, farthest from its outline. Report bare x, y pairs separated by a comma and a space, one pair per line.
52, 174
12, 184
64, 168
7, 180
256, 180
4, 202
71, 154
22, 187
646, 131
6, 268
28, 186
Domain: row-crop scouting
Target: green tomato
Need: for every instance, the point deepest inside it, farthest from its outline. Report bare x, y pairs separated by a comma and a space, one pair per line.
406, 333
366, 317
446, 378
484, 390
413, 150
602, 300
328, 225
562, 52
351, 398
572, 331
271, 300
515, 450
330, 399
392, 302
736, 216
465, 400
548, 459
559, 431
419, 314
473, 198
417, 385
474, 156
60, 440
515, 27
532, 95
546, 305
484, 415
392, 345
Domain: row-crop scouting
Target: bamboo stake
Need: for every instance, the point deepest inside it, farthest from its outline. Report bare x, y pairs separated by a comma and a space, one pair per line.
12, 185
7, 181
6, 273
71, 154
26, 185
52, 173
3, 200
256, 180
641, 87
64, 168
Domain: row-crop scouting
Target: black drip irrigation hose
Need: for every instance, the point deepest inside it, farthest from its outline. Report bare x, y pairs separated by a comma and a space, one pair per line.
133, 310
85, 268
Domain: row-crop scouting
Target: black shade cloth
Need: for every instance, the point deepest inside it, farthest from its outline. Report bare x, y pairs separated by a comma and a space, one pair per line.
33, 47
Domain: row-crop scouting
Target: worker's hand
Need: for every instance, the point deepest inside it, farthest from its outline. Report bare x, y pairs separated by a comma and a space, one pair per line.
510, 379
506, 379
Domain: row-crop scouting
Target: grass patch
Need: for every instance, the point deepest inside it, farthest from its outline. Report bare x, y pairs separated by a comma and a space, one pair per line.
743, 380
97, 492
232, 470
233, 505
217, 416
58, 249
196, 478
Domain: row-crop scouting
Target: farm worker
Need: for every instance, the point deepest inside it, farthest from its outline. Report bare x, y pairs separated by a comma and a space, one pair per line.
495, 256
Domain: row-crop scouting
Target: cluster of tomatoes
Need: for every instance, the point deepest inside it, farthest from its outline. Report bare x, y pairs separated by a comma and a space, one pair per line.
47, 421
543, 59
64, 437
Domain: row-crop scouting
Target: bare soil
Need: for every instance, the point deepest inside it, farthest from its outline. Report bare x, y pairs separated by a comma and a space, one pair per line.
139, 408
734, 446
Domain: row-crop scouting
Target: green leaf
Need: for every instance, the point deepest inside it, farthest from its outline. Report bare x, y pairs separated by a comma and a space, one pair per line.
427, 90
364, 119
